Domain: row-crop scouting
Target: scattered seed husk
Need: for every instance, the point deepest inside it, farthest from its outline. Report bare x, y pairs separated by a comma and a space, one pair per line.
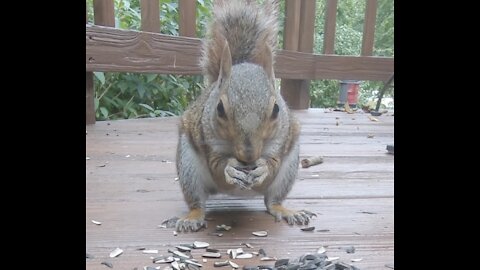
239, 250
175, 265
245, 256
350, 249
221, 264
96, 222
216, 234
308, 229
255, 253
150, 251
232, 253
260, 233
181, 254
162, 259
329, 259
183, 248
367, 212
268, 259
390, 265
269, 267
149, 268
204, 260
211, 255
233, 264
223, 227
321, 250
370, 136
90, 256
116, 252
127, 156
198, 244
323, 230
262, 252
281, 262
357, 260
372, 118
108, 264
193, 262
169, 223
247, 245
141, 248
311, 161
175, 233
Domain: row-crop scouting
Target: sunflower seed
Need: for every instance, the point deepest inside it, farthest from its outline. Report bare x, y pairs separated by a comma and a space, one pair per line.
198, 244
260, 233
204, 260
183, 248
108, 264
150, 251
175, 265
245, 256
268, 259
308, 229
216, 234
357, 260
323, 230
220, 264
96, 222
232, 264
163, 260
329, 259
180, 254
192, 262
211, 255
116, 252
175, 233
214, 250
247, 245
321, 250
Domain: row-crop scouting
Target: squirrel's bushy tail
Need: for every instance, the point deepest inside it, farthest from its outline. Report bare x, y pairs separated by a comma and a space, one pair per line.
247, 28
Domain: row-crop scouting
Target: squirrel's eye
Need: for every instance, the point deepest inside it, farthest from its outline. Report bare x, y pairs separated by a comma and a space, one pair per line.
275, 111
221, 110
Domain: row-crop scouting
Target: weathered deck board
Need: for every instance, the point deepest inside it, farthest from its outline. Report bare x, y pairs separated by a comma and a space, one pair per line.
352, 193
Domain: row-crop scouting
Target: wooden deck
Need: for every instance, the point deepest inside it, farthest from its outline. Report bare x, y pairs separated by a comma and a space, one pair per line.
131, 189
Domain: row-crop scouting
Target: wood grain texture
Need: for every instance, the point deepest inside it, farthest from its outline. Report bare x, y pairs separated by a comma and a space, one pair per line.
369, 28
352, 192
109, 49
329, 28
187, 16
292, 23
150, 12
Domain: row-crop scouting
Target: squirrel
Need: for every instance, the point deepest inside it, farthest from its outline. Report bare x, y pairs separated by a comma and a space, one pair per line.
239, 137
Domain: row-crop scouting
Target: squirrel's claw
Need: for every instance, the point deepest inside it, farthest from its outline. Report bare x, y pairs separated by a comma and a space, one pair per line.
292, 217
194, 221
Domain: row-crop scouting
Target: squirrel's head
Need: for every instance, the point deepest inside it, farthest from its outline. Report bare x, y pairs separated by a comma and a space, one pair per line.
249, 107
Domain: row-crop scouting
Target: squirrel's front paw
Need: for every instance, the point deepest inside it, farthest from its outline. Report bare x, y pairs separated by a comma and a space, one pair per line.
194, 221
292, 217
233, 175
258, 175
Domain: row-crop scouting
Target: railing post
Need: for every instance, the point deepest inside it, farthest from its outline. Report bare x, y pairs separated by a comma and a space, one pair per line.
369, 28
330, 24
187, 16
103, 12
298, 36
150, 13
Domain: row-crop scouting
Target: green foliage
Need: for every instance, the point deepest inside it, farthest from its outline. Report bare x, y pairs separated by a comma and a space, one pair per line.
348, 41
133, 95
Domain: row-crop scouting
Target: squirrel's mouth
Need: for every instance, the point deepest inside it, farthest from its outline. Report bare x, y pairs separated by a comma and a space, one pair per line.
246, 168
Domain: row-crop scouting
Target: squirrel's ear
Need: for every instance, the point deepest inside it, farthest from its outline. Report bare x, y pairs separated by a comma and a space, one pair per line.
265, 59
225, 65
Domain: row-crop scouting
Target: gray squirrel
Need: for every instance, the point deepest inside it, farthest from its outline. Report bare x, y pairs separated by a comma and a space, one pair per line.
239, 137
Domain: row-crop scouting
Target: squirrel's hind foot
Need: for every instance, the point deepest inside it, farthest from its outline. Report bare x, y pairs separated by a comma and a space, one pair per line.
292, 217
194, 221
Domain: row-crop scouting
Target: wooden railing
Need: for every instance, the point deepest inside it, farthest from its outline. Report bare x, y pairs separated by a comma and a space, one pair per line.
115, 50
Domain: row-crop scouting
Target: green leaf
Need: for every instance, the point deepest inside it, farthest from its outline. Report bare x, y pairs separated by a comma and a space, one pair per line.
141, 90
100, 76
151, 77
96, 103
146, 106
104, 112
